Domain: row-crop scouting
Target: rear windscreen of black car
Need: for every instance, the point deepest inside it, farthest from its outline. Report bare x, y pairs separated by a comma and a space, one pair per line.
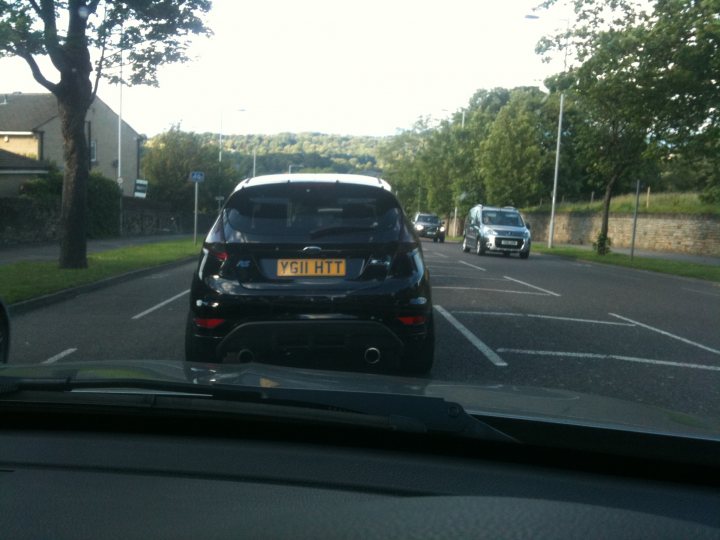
312, 211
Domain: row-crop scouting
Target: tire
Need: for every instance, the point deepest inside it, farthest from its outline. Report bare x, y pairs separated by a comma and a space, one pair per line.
479, 246
418, 358
524, 254
442, 239
465, 247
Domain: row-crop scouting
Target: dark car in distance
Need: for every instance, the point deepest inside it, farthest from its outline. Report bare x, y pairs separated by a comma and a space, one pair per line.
312, 270
429, 226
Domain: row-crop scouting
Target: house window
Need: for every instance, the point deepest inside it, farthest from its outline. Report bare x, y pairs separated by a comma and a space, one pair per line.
93, 151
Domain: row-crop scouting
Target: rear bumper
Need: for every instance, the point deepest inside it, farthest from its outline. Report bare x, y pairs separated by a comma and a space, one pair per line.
316, 338
311, 343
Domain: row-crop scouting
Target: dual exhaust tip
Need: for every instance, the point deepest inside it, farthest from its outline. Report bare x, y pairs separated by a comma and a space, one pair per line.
371, 355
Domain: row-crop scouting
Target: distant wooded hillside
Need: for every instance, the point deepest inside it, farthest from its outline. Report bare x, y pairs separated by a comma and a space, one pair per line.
309, 152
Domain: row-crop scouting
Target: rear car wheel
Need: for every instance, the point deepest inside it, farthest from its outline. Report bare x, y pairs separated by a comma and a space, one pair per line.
465, 246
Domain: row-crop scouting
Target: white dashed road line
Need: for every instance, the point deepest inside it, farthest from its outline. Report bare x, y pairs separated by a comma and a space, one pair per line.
559, 354
551, 317
490, 290
472, 338
58, 356
531, 286
668, 334
161, 304
472, 266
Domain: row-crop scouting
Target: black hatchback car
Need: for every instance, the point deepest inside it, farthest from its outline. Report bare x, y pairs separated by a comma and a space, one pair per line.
316, 270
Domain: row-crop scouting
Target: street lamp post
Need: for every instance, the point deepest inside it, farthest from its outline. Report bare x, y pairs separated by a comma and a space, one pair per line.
551, 232
551, 228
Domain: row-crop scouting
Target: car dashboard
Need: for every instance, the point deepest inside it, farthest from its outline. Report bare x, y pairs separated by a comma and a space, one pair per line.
111, 474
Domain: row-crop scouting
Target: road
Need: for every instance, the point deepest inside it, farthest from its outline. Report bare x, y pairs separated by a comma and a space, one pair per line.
545, 321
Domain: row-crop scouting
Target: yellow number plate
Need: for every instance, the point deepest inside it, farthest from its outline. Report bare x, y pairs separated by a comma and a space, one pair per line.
310, 267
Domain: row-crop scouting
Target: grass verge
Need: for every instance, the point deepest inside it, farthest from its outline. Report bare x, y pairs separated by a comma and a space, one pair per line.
658, 203
665, 266
25, 280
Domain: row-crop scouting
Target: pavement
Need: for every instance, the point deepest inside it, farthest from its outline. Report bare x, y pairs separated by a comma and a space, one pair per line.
51, 251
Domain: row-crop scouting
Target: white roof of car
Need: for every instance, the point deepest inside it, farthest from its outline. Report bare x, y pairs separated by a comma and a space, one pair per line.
314, 177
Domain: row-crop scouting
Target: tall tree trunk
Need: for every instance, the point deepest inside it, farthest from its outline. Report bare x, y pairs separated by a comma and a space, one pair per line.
603, 242
74, 94
606, 205
73, 242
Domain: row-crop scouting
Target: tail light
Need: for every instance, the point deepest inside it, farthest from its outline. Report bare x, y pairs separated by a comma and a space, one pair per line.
207, 323
217, 251
413, 320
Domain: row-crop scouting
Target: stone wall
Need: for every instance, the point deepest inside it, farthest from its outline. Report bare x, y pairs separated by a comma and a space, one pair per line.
23, 221
692, 234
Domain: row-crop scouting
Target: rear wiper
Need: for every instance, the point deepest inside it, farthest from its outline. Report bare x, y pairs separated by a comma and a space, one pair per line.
341, 229
408, 413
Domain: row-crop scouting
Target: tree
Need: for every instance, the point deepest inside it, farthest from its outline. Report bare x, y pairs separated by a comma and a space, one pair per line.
170, 158
647, 82
152, 33
512, 156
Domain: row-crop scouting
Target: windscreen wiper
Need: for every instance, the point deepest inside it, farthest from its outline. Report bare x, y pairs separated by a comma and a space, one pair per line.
407, 413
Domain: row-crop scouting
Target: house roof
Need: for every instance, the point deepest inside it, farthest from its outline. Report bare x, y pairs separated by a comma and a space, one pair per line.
14, 162
26, 112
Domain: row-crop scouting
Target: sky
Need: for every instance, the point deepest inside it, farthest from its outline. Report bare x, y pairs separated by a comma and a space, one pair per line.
346, 67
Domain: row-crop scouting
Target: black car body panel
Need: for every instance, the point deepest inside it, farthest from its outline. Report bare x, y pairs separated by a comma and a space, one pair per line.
4, 333
331, 269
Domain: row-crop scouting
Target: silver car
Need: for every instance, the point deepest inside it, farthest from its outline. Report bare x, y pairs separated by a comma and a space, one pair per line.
494, 229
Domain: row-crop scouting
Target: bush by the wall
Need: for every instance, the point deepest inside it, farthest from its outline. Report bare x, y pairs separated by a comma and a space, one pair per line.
103, 200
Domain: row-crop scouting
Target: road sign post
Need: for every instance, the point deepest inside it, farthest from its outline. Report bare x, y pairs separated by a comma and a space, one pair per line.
196, 177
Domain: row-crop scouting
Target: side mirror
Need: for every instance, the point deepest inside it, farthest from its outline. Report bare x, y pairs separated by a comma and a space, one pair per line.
528, 226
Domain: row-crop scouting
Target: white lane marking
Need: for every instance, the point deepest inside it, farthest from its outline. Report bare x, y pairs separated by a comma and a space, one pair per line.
702, 292
472, 338
58, 356
611, 357
491, 290
531, 286
161, 304
472, 265
668, 334
439, 254
551, 317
